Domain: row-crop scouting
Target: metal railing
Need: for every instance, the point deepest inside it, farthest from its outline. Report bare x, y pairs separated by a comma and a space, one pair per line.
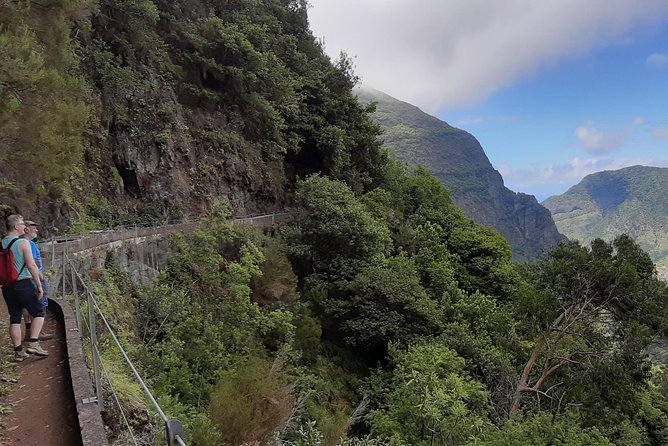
76, 245
173, 428
81, 242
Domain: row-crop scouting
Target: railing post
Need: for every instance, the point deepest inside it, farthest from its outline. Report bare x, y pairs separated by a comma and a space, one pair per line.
93, 343
174, 428
77, 303
64, 264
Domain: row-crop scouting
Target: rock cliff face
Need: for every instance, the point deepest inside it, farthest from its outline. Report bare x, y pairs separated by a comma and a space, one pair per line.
180, 167
459, 161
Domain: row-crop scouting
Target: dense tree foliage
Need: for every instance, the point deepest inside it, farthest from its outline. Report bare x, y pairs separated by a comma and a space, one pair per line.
45, 102
429, 398
388, 343
125, 88
389, 324
600, 307
379, 314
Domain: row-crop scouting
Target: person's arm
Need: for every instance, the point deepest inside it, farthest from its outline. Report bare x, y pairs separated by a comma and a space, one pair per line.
32, 267
38, 258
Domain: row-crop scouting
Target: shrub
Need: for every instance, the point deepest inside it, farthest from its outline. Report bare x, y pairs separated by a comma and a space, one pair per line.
251, 403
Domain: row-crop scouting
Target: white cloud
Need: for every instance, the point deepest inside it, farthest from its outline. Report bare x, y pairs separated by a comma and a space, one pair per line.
444, 54
569, 173
658, 59
595, 141
544, 181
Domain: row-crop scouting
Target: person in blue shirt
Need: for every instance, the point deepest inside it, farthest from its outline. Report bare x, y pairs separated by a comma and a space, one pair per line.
31, 231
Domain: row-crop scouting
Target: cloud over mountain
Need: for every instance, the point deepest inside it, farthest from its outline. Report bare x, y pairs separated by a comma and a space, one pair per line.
440, 55
595, 141
543, 180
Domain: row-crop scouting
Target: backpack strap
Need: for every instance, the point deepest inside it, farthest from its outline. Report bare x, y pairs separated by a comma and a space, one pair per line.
24, 259
11, 243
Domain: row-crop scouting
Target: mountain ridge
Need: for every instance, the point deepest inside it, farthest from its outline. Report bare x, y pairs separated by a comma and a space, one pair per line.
607, 203
459, 161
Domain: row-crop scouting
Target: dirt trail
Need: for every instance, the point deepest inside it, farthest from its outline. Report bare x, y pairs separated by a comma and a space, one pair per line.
42, 401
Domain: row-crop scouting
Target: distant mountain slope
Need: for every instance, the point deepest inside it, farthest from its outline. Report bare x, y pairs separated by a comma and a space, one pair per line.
459, 161
632, 200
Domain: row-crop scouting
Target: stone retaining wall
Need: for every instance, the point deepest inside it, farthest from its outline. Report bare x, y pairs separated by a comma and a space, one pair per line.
90, 421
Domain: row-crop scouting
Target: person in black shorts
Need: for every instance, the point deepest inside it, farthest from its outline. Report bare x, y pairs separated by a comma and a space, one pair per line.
26, 292
31, 231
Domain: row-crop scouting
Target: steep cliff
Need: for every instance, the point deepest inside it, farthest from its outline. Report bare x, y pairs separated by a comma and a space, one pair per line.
142, 110
459, 161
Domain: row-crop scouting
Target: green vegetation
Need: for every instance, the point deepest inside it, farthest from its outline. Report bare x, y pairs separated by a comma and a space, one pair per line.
45, 101
380, 314
121, 110
626, 201
396, 320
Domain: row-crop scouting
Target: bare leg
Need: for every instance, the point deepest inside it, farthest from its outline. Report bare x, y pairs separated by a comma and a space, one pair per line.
28, 320
15, 334
35, 328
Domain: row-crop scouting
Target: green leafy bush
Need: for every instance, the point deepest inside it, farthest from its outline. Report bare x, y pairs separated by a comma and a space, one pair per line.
429, 399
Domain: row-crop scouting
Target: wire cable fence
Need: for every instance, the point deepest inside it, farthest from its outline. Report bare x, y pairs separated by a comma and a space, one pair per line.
94, 326
77, 243
91, 332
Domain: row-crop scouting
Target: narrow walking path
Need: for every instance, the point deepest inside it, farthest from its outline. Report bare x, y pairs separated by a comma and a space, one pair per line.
42, 402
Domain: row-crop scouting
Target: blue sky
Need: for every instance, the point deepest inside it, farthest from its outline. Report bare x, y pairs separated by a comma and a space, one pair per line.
553, 90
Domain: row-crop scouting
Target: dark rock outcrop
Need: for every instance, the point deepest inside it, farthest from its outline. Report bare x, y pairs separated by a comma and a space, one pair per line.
180, 166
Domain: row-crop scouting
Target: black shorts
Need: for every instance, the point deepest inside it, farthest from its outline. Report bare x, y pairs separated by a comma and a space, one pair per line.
23, 294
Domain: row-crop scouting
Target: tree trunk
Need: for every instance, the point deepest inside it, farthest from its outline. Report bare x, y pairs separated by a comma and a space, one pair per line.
523, 385
548, 368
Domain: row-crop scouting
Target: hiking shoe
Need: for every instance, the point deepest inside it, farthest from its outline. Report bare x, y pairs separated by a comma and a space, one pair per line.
45, 337
20, 355
42, 337
35, 349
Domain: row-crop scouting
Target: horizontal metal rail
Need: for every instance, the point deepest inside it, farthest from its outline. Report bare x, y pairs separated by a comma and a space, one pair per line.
126, 228
174, 428
76, 244
96, 239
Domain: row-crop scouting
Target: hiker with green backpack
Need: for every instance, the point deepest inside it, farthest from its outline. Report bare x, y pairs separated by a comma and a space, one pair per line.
21, 288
